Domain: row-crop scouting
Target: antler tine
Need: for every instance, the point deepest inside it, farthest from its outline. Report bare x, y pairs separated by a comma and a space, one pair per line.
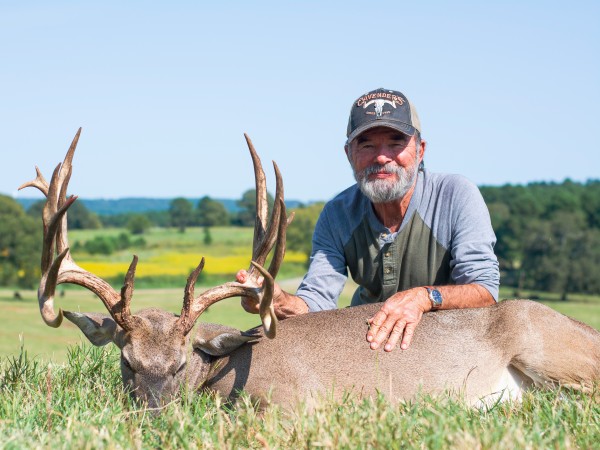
122, 309
262, 246
279, 254
39, 182
262, 206
65, 172
188, 297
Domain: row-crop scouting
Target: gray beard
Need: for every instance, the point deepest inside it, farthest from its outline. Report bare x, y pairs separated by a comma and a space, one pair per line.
384, 191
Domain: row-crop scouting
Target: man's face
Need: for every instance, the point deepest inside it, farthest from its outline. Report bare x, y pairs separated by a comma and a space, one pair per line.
385, 163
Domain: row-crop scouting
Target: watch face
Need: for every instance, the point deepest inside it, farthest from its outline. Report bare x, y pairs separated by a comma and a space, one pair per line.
436, 298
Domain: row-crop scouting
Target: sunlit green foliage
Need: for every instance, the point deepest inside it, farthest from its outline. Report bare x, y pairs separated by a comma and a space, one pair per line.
20, 243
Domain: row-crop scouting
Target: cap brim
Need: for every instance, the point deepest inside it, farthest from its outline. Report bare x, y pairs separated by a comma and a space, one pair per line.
402, 127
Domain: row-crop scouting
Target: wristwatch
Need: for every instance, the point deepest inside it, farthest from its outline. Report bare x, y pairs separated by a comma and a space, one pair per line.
435, 297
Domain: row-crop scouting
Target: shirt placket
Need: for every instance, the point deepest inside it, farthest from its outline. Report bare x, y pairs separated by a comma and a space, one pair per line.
390, 267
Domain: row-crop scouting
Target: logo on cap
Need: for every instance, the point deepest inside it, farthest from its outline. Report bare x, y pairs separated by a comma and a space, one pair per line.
378, 103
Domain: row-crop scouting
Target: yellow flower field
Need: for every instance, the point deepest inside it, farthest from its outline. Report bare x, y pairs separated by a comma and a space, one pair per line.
177, 264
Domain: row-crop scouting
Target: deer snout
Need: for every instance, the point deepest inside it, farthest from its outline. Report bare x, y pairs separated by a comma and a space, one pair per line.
152, 393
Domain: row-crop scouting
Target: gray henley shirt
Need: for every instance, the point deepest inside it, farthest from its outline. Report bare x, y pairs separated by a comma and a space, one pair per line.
446, 237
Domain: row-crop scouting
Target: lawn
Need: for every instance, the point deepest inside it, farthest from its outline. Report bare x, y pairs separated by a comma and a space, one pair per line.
81, 404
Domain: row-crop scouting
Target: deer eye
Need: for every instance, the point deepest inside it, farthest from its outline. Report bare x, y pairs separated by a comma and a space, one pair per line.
125, 362
182, 367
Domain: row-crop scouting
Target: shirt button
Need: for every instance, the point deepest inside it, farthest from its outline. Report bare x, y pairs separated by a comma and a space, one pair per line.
388, 270
387, 254
383, 235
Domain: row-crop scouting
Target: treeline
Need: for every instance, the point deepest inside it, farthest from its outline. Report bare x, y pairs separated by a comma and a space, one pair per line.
548, 235
21, 231
181, 213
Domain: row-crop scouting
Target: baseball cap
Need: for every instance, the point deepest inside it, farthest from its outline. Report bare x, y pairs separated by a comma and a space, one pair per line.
383, 108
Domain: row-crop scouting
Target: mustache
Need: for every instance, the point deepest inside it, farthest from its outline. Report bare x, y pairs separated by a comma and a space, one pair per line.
389, 168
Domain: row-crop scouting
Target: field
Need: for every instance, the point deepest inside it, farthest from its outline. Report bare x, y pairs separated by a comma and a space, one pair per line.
57, 391
165, 262
168, 255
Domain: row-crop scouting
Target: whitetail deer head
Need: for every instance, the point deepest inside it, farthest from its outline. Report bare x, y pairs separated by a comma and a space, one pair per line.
154, 344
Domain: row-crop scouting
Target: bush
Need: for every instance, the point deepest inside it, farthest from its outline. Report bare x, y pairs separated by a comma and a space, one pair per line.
106, 245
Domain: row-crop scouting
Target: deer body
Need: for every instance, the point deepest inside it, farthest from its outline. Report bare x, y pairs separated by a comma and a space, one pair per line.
484, 354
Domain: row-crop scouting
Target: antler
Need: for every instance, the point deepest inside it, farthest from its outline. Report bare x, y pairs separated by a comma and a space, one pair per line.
265, 237
58, 267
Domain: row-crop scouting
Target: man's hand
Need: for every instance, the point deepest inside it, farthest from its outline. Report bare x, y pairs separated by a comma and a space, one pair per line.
248, 303
398, 318
286, 305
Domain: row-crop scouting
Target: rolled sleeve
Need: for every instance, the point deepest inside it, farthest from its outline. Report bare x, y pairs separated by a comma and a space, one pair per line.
473, 239
327, 273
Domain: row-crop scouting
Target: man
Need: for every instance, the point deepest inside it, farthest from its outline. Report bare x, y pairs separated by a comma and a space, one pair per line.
414, 240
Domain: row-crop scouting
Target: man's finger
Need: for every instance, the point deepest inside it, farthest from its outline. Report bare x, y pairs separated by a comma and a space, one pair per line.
241, 276
374, 323
383, 332
395, 336
408, 335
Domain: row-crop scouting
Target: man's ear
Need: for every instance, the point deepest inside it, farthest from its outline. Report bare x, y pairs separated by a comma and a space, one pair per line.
423, 148
100, 329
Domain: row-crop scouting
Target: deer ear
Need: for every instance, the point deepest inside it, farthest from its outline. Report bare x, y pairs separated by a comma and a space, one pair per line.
100, 329
220, 340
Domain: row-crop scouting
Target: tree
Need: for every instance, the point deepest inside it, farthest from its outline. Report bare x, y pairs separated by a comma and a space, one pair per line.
561, 255
138, 224
211, 213
79, 217
300, 231
247, 204
20, 245
181, 212
207, 236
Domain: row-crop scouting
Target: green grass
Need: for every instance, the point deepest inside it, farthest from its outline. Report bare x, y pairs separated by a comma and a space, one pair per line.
82, 405
77, 401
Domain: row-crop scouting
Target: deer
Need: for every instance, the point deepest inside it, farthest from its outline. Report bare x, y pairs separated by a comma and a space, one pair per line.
484, 355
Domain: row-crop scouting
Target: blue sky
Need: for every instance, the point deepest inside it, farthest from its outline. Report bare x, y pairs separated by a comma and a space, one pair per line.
507, 92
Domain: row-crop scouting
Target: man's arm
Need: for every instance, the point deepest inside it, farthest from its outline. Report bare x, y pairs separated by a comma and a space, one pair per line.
401, 313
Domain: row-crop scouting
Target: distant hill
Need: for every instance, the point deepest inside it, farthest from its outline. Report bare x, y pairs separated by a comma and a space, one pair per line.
140, 205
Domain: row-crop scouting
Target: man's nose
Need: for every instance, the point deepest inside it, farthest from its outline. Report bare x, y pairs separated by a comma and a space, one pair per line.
383, 155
